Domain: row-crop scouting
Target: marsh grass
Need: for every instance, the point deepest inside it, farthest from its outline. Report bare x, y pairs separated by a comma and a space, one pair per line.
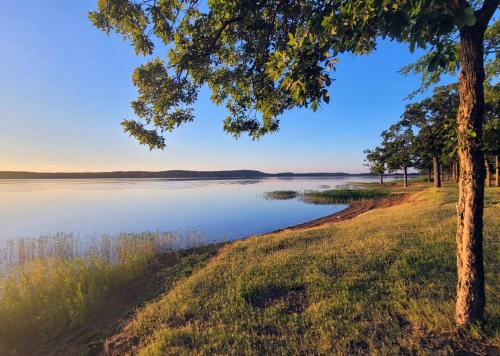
281, 195
342, 196
52, 283
331, 196
381, 283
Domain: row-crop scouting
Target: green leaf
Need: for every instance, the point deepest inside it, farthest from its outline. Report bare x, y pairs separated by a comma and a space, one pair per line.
433, 63
326, 97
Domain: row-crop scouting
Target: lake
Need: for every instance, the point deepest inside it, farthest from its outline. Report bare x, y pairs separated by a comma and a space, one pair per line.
217, 209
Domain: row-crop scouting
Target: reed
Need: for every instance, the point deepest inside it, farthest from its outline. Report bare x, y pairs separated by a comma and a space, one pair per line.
342, 196
281, 195
53, 283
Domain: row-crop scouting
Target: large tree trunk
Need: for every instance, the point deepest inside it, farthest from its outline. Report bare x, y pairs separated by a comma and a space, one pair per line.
488, 172
497, 169
437, 173
405, 174
381, 177
469, 238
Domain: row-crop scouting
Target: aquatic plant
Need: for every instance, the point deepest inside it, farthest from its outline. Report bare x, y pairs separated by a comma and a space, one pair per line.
341, 196
281, 195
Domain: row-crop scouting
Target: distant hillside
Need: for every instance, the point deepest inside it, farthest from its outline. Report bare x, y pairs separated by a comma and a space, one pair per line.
179, 174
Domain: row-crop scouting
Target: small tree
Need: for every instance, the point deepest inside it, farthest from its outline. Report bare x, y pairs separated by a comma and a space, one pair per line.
375, 160
397, 142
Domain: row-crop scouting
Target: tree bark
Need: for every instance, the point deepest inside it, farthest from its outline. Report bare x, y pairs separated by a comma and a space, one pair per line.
381, 177
441, 171
437, 173
457, 163
405, 173
497, 169
488, 172
469, 239
428, 175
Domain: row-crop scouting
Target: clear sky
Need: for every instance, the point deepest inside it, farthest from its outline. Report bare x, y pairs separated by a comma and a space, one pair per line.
65, 87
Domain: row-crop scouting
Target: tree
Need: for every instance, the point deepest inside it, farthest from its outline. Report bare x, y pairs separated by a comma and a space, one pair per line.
434, 120
397, 142
376, 160
263, 57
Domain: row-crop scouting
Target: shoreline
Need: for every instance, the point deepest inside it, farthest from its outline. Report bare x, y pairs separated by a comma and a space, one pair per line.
354, 209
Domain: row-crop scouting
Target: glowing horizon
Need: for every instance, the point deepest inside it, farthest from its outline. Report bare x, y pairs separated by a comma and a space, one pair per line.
64, 94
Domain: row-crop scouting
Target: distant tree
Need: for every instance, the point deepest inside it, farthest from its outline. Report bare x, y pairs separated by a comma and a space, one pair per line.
491, 142
263, 57
376, 161
434, 120
397, 144
422, 161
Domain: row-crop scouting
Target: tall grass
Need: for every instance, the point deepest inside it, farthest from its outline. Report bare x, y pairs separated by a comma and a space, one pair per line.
331, 196
342, 196
53, 283
281, 195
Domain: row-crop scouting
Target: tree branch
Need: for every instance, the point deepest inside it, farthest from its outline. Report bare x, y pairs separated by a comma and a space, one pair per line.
486, 12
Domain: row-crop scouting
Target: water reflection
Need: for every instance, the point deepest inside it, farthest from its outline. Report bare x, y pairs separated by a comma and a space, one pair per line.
217, 209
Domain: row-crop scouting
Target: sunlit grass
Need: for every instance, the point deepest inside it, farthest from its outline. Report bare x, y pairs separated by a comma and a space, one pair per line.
382, 283
52, 283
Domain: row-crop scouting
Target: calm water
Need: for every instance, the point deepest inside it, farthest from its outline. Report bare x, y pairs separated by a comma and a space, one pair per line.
217, 209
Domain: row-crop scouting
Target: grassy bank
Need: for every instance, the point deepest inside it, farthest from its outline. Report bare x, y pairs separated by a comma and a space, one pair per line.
383, 282
52, 283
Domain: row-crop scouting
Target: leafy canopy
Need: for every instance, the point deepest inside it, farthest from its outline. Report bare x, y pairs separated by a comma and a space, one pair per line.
376, 160
263, 57
398, 144
434, 121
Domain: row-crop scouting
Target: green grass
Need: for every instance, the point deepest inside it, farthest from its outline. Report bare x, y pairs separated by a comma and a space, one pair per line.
281, 195
381, 283
51, 284
342, 196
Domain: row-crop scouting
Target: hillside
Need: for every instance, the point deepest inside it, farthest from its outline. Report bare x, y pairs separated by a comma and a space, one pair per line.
382, 283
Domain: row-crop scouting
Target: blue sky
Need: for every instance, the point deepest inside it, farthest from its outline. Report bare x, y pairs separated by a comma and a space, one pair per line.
65, 87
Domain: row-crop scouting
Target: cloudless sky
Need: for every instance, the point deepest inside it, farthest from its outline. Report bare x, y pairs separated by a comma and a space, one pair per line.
65, 87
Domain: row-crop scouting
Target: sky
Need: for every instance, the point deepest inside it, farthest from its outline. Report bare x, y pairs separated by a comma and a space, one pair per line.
65, 87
